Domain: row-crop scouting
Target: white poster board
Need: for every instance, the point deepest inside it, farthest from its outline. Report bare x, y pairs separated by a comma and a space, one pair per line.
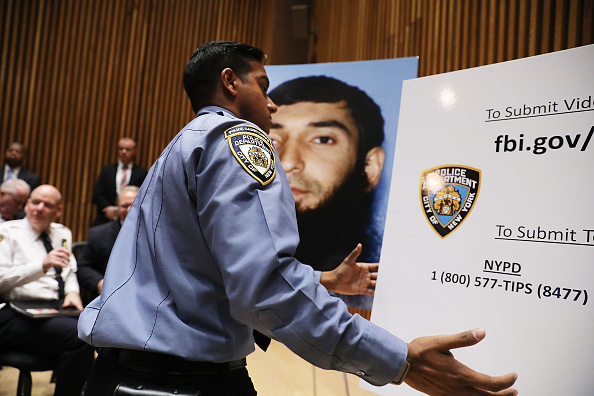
500, 232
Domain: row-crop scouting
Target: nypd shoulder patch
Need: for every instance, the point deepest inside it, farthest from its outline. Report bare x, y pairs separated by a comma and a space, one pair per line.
254, 151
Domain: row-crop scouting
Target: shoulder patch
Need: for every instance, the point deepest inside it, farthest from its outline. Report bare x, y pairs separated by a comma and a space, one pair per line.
253, 150
1, 238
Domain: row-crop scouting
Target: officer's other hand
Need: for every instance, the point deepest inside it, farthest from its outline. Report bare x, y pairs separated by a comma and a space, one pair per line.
351, 277
435, 371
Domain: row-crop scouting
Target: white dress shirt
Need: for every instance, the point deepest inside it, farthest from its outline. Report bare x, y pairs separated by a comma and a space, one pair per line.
21, 262
120, 175
15, 172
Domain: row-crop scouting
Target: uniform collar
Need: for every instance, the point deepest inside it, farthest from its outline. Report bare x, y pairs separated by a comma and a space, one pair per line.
216, 109
34, 234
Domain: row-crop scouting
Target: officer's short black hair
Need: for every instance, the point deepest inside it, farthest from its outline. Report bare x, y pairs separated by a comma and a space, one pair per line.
323, 89
203, 70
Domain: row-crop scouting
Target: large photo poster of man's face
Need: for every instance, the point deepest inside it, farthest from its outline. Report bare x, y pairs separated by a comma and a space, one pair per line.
335, 133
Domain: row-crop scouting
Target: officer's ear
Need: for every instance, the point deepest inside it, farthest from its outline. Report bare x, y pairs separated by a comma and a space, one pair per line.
374, 163
228, 80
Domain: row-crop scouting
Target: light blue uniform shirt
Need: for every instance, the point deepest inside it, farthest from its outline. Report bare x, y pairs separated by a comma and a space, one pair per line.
206, 255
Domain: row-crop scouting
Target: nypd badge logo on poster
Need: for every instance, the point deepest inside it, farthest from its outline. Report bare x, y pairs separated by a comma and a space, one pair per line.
448, 194
253, 149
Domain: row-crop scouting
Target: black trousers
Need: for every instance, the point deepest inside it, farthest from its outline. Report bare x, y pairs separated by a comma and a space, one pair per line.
55, 338
108, 375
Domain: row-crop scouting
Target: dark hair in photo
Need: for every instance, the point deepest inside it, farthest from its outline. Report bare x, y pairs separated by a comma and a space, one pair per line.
323, 89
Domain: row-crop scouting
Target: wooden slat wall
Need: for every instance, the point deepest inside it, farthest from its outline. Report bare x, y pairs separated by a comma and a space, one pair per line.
75, 76
448, 35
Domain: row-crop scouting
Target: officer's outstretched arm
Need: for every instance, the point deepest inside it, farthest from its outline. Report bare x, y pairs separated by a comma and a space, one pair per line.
435, 371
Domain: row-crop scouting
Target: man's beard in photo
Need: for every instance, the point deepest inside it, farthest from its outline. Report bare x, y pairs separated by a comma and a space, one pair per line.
331, 231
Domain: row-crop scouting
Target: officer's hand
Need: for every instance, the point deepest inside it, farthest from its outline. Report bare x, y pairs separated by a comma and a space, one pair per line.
434, 371
56, 258
351, 277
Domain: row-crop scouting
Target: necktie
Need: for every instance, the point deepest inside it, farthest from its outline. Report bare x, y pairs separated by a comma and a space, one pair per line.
9, 174
48, 247
124, 180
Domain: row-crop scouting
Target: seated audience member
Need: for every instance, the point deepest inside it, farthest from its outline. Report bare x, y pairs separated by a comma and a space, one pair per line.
13, 166
113, 178
94, 257
35, 264
13, 195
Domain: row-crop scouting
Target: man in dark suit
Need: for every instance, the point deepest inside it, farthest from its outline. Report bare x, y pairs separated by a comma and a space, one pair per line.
113, 178
16, 153
13, 166
95, 254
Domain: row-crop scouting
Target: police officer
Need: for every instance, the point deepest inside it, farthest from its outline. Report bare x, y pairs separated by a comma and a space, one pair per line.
206, 256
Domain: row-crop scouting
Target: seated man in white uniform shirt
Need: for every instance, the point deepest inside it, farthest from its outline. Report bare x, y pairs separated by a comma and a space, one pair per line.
29, 272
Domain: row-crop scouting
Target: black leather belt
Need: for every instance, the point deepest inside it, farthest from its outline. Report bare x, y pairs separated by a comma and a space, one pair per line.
160, 363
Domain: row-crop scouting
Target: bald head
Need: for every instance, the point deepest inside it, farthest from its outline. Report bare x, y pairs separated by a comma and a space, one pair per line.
13, 195
125, 200
43, 207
